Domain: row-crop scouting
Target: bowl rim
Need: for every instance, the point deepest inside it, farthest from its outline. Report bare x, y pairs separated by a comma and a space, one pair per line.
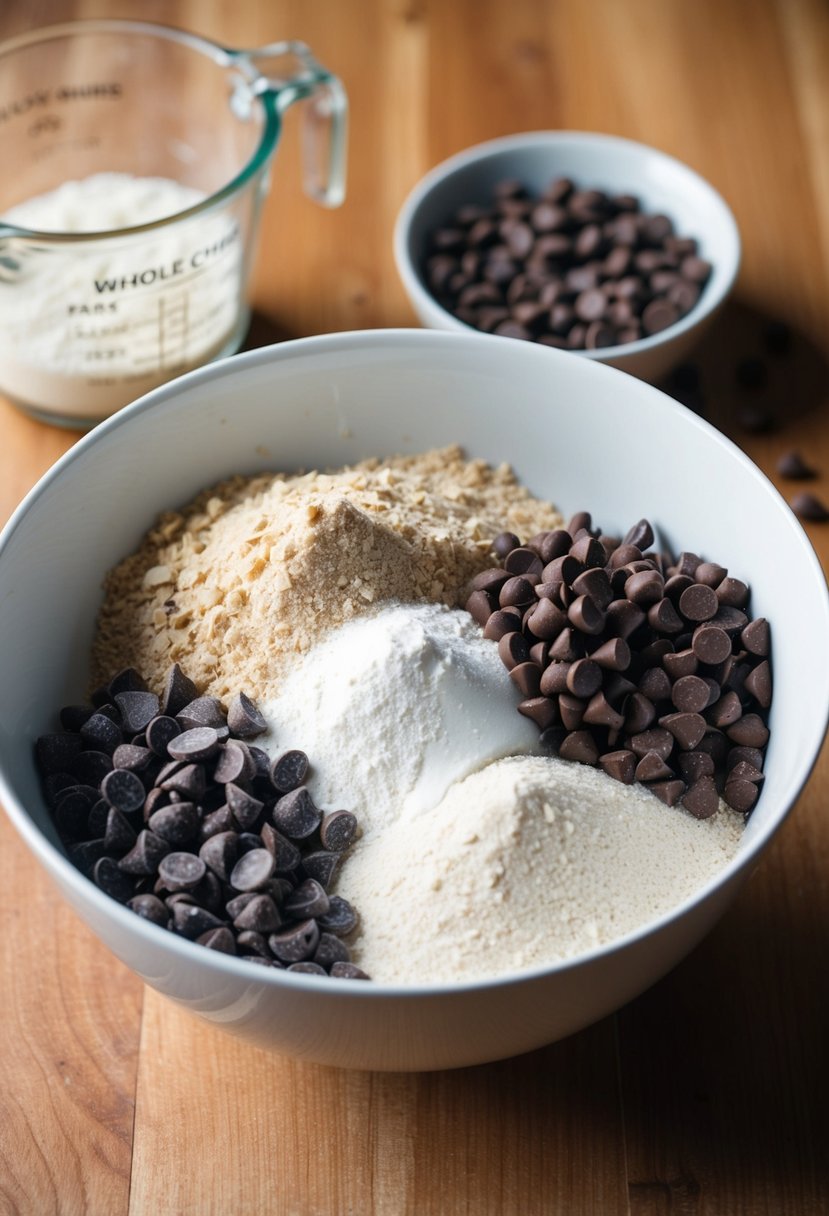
58, 864
709, 301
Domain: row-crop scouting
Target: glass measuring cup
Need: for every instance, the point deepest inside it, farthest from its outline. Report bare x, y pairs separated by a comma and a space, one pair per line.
107, 287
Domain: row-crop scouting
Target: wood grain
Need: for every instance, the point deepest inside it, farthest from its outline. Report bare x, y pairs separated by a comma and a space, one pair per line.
707, 1094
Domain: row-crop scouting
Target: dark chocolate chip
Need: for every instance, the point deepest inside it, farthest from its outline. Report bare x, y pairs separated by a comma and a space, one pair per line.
726, 710
245, 808
584, 678
585, 614
515, 591
111, 878
129, 756
740, 794
504, 543
181, 871
322, 866
501, 623
733, 592
579, 745
218, 939
639, 713
653, 768
690, 694
99, 733
191, 921
655, 684
340, 918
137, 710
527, 679
149, 907
160, 733
337, 831
623, 618
144, 857
347, 971
693, 765
308, 901
711, 644
243, 717
296, 815
177, 824
686, 728
252, 870
599, 712
701, 798
758, 683
749, 731
668, 792
491, 580
220, 853
620, 765
793, 466
196, 744
656, 740
124, 790
119, 835
188, 780
663, 617
178, 692
330, 951
203, 711
285, 852
296, 943
756, 637
698, 602
681, 664
546, 620
233, 762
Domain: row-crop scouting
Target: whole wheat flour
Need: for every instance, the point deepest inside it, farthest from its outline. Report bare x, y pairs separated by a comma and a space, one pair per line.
239, 583
530, 860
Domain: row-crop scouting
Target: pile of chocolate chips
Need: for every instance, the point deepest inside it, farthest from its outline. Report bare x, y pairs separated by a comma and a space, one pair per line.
168, 808
571, 268
647, 666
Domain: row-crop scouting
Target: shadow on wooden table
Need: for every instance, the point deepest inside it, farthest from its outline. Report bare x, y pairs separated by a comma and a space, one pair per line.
264, 331
743, 345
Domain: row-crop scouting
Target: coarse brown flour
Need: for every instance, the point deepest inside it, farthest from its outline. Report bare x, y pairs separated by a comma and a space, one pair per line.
248, 576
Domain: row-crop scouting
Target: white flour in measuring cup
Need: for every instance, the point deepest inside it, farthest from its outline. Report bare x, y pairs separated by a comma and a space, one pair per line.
87, 327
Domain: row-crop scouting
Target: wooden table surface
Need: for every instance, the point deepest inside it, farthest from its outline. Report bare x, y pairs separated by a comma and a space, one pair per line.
708, 1094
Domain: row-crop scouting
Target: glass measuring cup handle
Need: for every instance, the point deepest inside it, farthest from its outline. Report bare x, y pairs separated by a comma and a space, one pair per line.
325, 118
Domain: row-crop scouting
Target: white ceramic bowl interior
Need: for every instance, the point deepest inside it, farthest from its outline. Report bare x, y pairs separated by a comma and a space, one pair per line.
593, 161
577, 432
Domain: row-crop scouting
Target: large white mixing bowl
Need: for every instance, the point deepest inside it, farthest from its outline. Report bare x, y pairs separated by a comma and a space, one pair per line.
579, 432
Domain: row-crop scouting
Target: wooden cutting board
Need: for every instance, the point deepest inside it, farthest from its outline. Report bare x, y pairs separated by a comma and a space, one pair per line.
708, 1093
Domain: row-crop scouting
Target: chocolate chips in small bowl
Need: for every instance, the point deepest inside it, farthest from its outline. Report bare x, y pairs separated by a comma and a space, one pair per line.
171, 810
645, 665
572, 267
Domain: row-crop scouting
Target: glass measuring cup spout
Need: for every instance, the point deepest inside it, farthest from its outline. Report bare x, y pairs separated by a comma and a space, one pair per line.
325, 120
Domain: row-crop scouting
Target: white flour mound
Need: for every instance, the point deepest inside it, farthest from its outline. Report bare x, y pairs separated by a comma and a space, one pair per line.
528, 861
395, 707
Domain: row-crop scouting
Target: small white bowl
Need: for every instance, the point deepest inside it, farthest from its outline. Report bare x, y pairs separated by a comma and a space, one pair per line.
331, 400
593, 161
